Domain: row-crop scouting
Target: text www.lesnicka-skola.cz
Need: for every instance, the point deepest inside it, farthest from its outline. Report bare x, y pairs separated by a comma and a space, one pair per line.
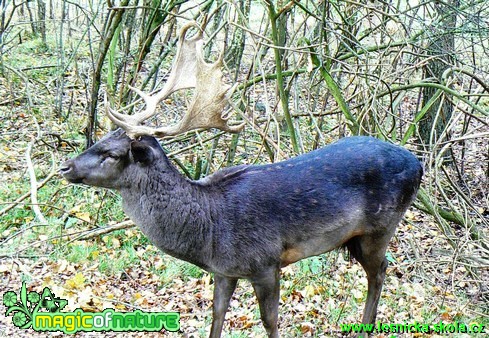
440, 328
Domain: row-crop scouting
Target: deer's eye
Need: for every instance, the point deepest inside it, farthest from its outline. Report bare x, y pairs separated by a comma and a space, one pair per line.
110, 158
113, 156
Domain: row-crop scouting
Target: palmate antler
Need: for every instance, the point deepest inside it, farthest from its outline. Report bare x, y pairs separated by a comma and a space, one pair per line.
189, 70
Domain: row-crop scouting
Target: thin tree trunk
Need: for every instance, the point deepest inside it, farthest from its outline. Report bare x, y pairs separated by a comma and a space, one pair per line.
440, 51
114, 20
41, 20
236, 49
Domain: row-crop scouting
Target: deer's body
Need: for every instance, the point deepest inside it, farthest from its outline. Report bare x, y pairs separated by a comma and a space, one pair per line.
249, 221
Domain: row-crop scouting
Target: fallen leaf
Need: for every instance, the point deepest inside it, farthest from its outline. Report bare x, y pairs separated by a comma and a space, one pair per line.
76, 282
85, 216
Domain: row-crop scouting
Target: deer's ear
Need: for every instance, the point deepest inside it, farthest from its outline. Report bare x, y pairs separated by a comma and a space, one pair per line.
142, 153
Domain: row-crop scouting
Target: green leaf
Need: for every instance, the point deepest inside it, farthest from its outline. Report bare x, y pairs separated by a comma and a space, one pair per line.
23, 294
419, 116
112, 53
27, 325
16, 308
335, 91
389, 257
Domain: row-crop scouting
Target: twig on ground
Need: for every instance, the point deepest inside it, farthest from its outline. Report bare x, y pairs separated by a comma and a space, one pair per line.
32, 177
105, 230
82, 235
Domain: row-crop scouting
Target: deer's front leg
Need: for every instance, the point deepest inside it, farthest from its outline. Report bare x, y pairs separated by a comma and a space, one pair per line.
223, 290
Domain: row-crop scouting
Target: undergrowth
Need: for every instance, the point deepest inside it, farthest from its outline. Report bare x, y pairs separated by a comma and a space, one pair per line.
426, 282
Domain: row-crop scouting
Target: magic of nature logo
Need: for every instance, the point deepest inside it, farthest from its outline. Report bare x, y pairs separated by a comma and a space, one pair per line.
42, 312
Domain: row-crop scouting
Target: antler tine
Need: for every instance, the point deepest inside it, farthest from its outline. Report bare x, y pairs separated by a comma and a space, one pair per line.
126, 122
189, 70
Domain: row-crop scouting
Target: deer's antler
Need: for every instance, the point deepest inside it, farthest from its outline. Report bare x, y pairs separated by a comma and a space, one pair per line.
189, 70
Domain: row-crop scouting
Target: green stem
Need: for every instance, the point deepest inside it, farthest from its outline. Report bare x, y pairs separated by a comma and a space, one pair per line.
419, 116
335, 90
280, 77
431, 209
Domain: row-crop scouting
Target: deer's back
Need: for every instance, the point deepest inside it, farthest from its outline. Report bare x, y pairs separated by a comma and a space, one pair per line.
328, 181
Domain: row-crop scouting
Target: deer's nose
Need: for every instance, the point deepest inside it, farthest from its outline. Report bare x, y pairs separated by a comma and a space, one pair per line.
65, 168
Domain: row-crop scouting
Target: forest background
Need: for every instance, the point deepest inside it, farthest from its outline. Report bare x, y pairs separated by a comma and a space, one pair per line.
415, 73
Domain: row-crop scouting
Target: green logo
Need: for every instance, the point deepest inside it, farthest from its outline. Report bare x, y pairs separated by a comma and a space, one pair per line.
42, 312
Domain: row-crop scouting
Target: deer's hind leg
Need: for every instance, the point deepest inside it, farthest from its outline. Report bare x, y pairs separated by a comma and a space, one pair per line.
369, 251
267, 290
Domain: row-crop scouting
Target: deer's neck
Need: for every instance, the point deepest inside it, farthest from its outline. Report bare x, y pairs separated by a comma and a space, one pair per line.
174, 213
